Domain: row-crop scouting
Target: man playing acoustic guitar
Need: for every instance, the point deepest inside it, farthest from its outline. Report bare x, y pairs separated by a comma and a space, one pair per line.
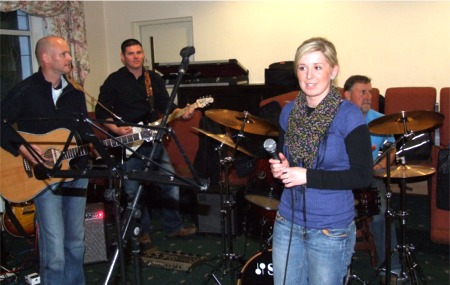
41, 104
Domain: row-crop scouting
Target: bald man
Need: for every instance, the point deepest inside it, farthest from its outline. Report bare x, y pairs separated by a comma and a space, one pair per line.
41, 103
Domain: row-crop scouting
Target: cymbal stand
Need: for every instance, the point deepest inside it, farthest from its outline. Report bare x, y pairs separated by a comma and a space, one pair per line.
228, 256
388, 218
410, 270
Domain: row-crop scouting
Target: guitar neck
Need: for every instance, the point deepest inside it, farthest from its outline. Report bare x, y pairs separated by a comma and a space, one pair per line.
118, 141
176, 115
83, 150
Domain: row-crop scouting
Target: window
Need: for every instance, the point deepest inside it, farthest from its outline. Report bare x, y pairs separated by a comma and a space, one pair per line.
15, 49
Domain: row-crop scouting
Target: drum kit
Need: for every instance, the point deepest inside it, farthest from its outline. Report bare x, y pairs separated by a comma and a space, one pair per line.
403, 124
263, 195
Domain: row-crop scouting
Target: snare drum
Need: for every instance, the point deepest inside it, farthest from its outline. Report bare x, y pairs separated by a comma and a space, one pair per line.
258, 270
259, 223
367, 201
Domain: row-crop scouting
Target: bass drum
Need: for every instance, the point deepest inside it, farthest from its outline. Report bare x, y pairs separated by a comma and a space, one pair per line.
258, 270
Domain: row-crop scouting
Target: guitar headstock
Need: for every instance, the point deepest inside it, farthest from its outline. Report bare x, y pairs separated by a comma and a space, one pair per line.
203, 102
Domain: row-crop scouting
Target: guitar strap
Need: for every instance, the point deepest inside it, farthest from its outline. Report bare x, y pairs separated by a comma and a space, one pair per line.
15, 222
148, 84
149, 89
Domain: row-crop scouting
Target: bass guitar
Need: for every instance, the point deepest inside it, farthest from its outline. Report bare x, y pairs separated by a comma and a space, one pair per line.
18, 182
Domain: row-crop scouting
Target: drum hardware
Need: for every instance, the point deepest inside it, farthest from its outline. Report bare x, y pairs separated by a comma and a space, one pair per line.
352, 276
404, 123
228, 257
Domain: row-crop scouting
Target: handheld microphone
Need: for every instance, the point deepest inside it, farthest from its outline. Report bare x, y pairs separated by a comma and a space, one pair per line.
271, 147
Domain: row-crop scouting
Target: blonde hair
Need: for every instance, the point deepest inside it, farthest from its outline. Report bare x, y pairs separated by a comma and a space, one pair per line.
317, 44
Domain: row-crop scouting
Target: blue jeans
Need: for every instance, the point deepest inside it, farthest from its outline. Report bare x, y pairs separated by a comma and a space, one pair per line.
319, 257
170, 194
378, 229
60, 220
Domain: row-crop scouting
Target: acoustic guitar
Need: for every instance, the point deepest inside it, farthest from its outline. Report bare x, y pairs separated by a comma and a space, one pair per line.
25, 213
18, 181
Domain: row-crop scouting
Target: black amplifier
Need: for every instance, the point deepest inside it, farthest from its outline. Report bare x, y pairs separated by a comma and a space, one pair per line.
205, 73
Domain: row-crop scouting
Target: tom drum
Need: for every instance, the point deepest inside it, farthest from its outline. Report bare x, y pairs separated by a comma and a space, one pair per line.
367, 201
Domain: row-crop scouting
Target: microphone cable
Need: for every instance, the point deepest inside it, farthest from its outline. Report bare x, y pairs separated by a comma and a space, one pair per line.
290, 238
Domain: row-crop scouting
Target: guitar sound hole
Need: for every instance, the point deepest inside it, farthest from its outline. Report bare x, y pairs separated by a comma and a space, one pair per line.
51, 155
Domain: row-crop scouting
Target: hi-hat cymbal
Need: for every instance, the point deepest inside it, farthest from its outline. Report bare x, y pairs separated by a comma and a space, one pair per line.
415, 121
405, 171
224, 139
234, 119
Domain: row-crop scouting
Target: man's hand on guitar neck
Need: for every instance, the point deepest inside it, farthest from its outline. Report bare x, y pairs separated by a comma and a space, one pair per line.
31, 158
189, 112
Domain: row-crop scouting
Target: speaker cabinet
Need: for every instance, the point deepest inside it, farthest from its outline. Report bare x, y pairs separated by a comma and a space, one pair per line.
95, 234
209, 212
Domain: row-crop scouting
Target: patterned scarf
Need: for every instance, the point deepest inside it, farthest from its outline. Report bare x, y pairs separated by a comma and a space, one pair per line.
304, 131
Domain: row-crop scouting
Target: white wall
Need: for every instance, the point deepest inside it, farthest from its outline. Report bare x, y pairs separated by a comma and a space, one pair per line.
403, 43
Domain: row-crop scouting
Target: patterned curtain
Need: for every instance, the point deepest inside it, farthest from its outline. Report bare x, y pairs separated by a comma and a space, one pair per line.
64, 19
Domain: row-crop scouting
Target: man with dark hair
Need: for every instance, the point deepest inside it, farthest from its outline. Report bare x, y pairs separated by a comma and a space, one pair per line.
42, 103
136, 95
357, 89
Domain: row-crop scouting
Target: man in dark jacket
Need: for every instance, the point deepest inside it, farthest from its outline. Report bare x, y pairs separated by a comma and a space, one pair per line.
136, 96
45, 103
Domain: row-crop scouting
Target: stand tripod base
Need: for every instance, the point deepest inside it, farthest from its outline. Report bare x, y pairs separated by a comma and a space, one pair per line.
413, 274
351, 276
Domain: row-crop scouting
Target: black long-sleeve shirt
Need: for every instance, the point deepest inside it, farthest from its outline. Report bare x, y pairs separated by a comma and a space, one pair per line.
126, 97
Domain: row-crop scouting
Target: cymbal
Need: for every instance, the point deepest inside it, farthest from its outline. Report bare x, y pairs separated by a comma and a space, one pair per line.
415, 121
222, 138
234, 119
406, 171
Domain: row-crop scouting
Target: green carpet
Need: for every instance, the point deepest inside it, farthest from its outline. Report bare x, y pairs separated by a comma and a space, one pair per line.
432, 258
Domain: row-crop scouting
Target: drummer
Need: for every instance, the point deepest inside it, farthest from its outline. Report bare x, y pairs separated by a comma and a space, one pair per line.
358, 89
